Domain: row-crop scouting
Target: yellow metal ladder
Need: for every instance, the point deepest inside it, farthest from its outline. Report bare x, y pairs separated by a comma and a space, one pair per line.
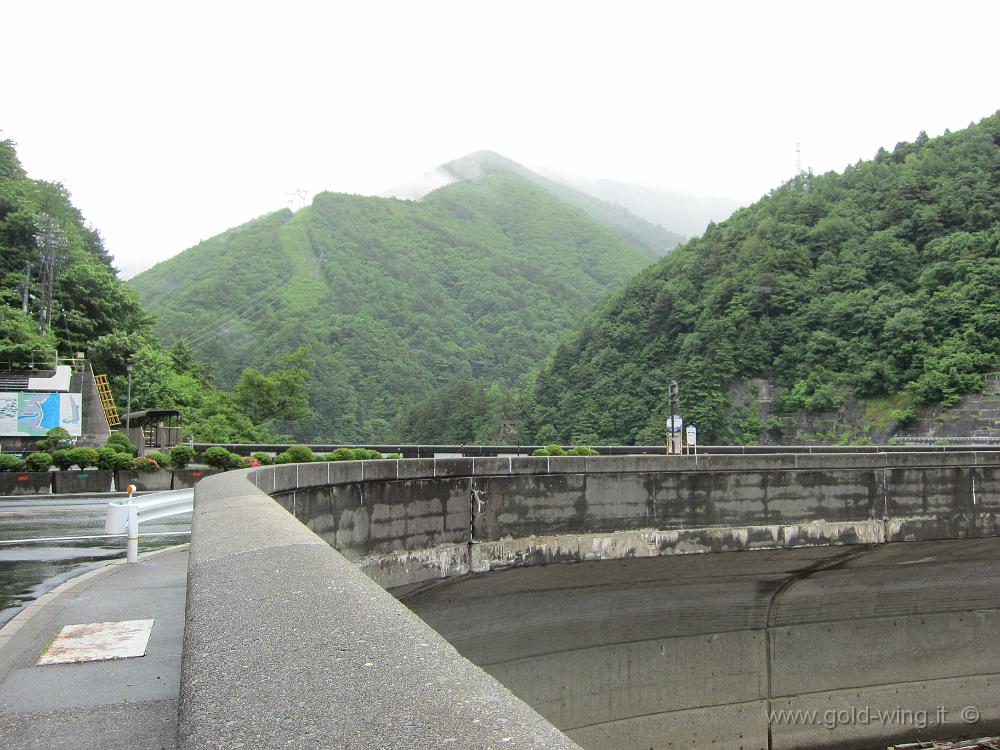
107, 401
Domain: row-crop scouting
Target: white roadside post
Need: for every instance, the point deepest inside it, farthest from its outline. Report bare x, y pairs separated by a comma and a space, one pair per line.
692, 439
132, 548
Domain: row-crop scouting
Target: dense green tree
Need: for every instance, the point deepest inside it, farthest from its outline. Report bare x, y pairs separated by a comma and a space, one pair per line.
89, 300
278, 395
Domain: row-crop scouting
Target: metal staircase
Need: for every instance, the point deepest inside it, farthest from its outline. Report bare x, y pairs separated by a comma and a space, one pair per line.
107, 401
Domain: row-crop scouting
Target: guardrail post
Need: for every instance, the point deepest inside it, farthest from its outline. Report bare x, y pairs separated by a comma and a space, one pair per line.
132, 554
132, 546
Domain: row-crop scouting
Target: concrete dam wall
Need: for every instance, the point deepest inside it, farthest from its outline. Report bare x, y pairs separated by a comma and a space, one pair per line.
636, 644
423, 519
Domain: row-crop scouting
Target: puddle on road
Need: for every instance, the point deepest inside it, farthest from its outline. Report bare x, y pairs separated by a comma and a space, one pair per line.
38, 553
29, 571
24, 579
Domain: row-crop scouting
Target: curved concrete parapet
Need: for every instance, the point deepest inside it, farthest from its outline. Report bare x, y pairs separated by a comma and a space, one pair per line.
421, 519
286, 644
668, 651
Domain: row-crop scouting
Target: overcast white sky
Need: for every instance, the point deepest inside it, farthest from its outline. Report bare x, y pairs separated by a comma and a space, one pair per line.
171, 122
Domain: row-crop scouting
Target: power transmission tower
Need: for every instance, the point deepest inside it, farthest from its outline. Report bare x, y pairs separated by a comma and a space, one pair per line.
798, 158
51, 243
296, 198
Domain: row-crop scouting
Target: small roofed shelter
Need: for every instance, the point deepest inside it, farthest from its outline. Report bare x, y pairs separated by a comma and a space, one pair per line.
152, 429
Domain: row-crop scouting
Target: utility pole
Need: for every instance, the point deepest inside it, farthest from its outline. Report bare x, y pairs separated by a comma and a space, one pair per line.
128, 404
50, 243
27, 280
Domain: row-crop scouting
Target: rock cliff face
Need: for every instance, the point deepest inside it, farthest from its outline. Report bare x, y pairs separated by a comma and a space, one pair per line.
975, 418
977, 415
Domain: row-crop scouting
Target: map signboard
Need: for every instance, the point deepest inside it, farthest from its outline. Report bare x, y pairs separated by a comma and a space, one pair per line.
27, 414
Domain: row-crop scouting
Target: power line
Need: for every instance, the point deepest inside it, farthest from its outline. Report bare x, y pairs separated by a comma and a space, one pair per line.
9, 265
248, 312
211, 330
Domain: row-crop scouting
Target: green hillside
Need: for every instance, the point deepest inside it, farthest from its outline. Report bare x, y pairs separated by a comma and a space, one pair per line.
88, 300
882, 282
651, 238
393, 299
94, 312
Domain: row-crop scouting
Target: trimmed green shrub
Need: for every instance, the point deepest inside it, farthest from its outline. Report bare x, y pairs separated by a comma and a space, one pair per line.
342, 454
63, 459
582, 450
38, 461
9, 462
120, 442
264, 459
122, 461
549, 450
84, 457
55, 439
110, 459
283, 458
220, 458
145, 464
181, 456
161, 458
395, 456
301, 454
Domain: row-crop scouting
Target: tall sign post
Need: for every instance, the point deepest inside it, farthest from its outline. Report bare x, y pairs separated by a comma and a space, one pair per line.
675, 434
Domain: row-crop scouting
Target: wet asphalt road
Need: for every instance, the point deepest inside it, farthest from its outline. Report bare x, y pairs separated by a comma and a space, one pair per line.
28, 570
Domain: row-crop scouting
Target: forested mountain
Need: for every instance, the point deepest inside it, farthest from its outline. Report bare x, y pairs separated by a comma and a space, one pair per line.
88, 300
649, 236
881, 282
393, 299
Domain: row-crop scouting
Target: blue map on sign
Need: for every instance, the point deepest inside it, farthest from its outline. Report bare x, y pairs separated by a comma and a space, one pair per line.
37, 413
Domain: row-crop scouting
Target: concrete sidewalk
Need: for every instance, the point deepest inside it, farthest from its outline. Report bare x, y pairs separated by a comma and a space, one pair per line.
124, 703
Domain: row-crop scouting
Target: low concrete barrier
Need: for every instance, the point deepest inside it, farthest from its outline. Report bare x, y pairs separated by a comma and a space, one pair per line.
152, 481
323, 635
25, 482
86, 480
187, 478
287, 644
